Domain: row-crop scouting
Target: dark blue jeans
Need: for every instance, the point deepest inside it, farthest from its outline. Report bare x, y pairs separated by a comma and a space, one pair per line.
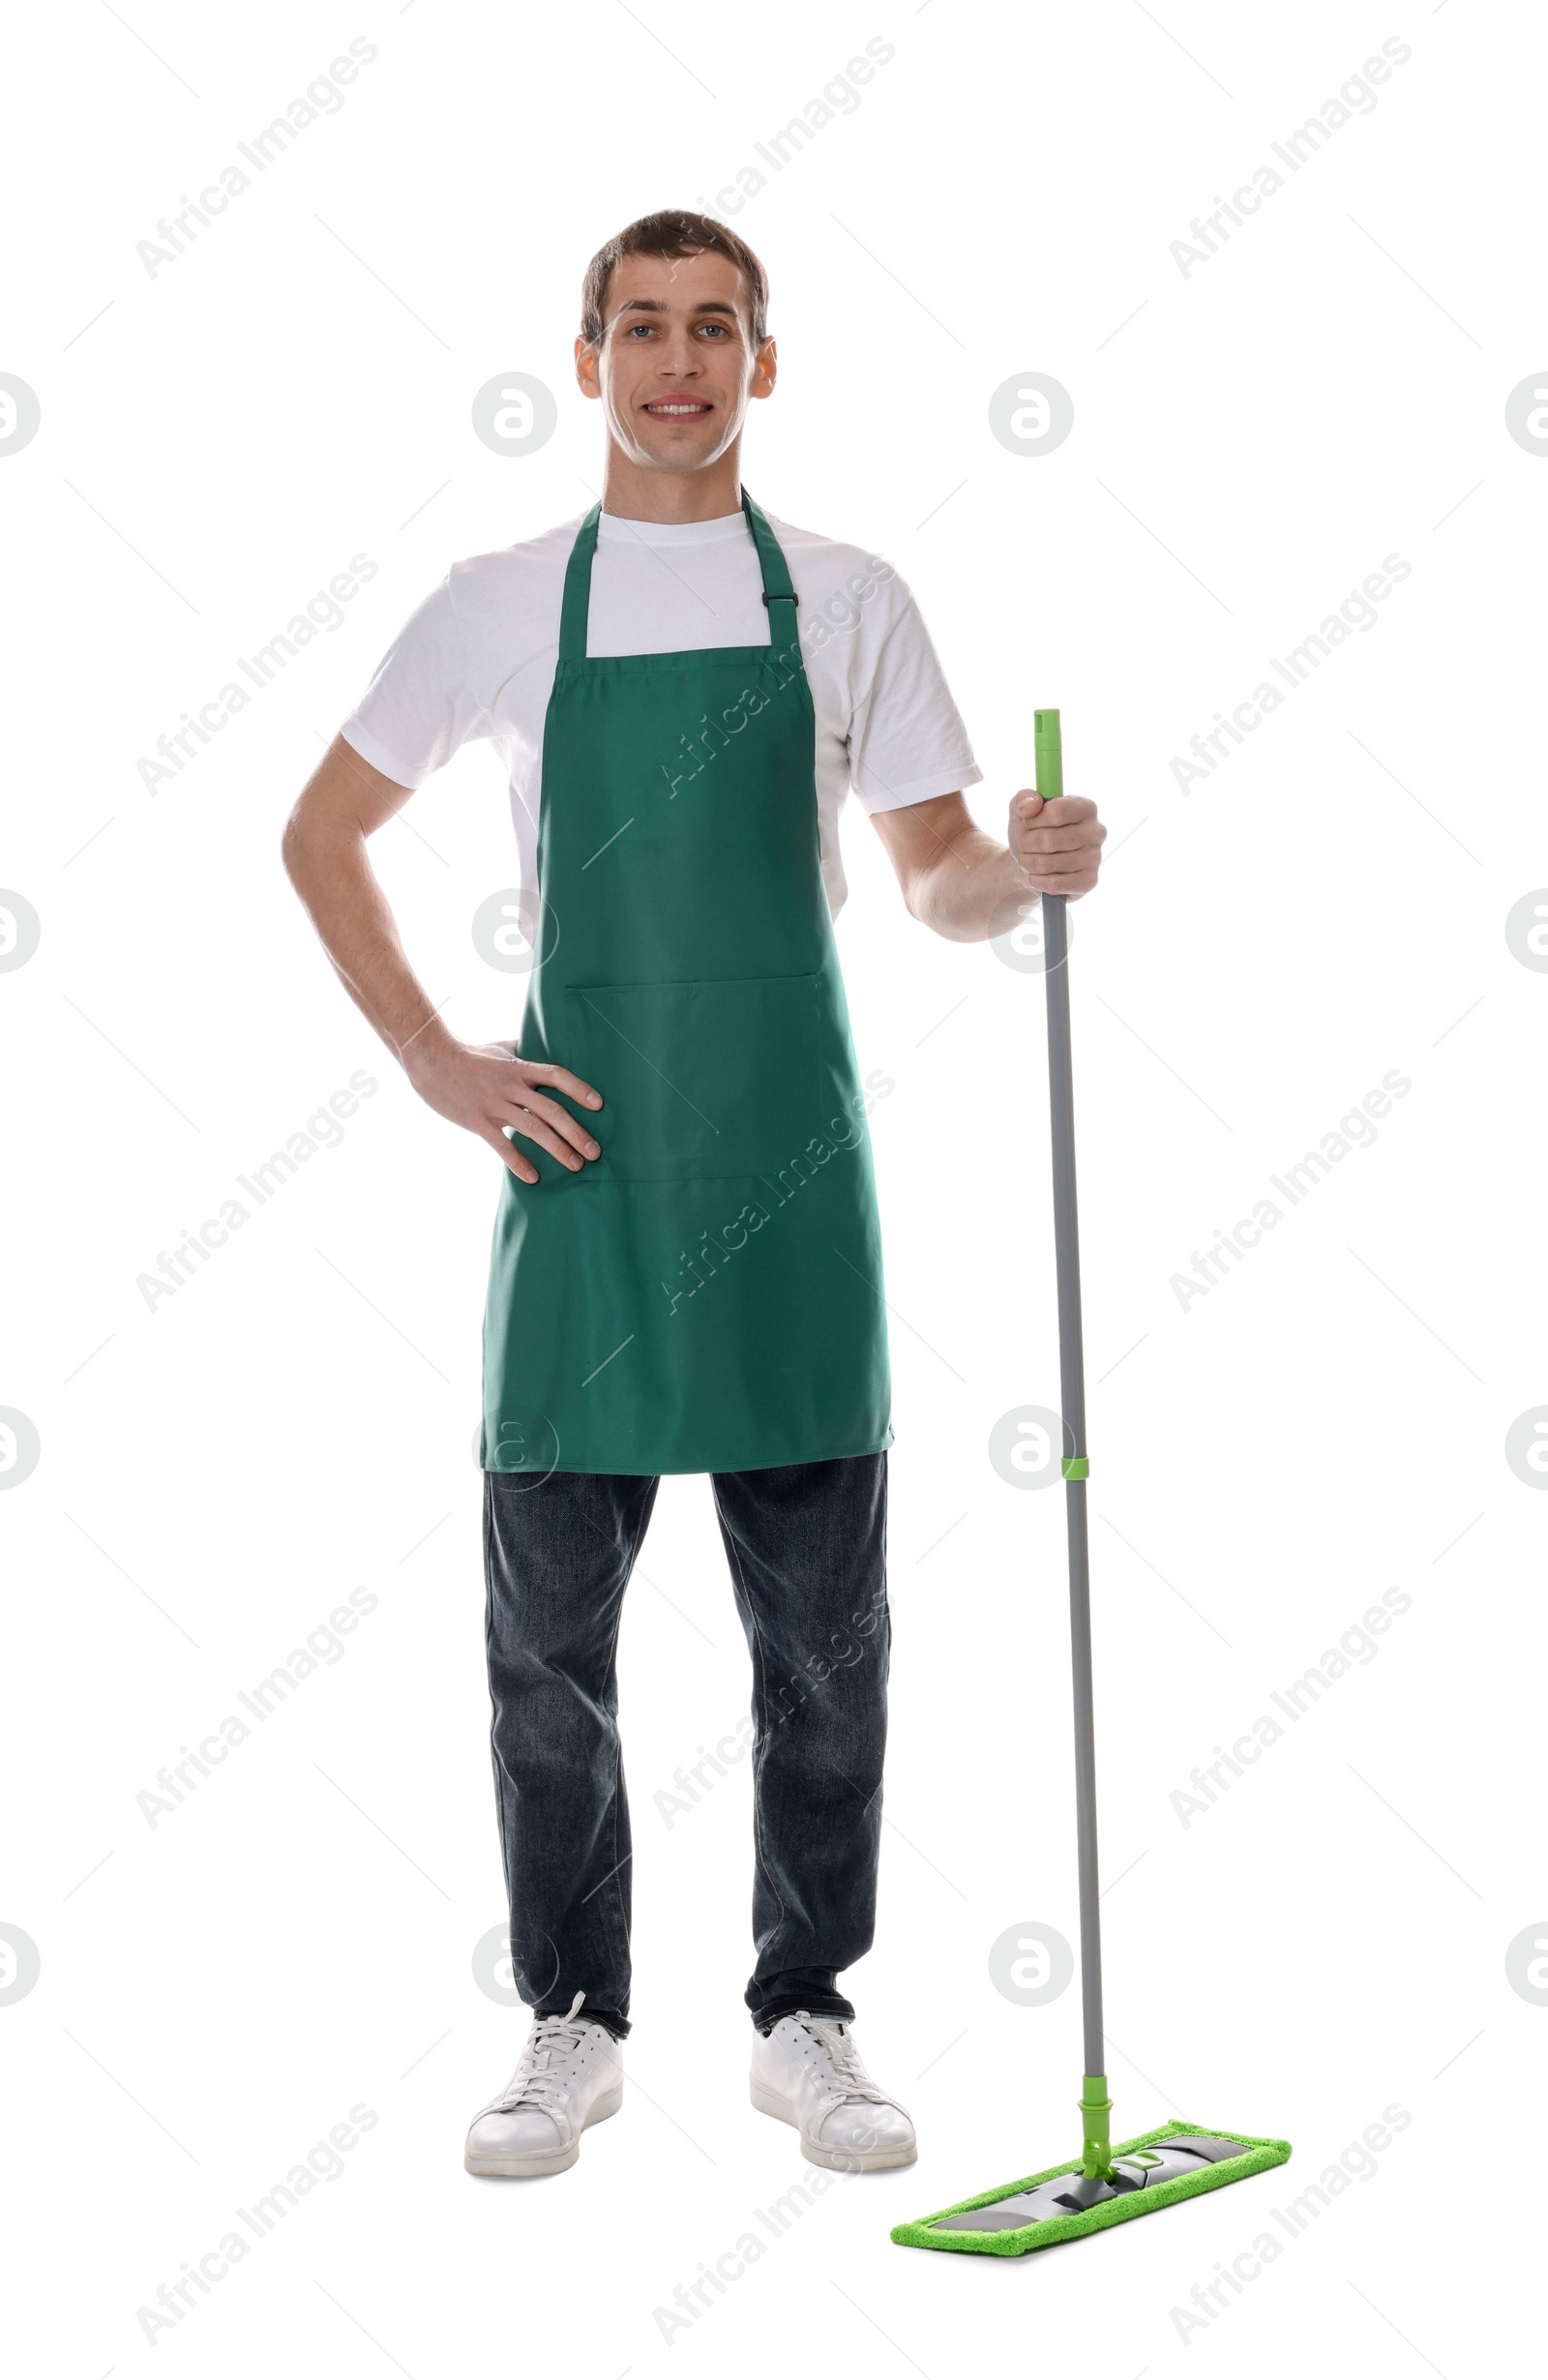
806, 1543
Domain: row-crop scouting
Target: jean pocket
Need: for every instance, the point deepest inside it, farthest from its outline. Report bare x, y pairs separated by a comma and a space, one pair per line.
701, 1079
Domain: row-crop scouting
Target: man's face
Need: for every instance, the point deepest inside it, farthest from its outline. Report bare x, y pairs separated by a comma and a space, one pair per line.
675, 369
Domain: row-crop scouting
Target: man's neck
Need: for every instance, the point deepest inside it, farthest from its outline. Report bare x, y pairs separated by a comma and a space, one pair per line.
636, 493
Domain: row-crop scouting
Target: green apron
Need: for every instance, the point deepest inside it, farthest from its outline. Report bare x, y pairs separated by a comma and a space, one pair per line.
707, 1295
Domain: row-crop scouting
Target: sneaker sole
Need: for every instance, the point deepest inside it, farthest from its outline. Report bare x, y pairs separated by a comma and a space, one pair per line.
837, 2161
510, 2167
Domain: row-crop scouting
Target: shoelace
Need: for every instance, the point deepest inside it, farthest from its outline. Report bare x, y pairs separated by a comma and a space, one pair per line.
555, 2040
843, 2061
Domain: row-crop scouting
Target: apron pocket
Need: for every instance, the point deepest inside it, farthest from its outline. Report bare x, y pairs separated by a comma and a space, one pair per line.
701, 1079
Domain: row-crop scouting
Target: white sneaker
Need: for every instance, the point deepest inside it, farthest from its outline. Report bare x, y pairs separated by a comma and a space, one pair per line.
808, 2072
570, 2074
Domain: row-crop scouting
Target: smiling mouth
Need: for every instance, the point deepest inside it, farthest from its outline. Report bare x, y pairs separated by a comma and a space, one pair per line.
678, 408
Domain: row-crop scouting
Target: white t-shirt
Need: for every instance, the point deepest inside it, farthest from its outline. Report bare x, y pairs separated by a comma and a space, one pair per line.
477, 660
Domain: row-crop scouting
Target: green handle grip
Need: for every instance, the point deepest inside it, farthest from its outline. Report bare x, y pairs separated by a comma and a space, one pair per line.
1049, 752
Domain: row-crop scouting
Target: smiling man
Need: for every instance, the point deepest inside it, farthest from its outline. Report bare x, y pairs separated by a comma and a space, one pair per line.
686, 1273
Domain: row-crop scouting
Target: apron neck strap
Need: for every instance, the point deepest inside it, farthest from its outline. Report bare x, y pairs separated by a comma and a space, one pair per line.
578, 589
784, 631
777, 593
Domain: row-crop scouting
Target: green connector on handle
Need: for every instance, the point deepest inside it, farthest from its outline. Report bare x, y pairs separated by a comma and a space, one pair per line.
1096, 2108
1047, 750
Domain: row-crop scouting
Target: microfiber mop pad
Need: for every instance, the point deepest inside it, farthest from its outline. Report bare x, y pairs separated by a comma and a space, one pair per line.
1008, 2238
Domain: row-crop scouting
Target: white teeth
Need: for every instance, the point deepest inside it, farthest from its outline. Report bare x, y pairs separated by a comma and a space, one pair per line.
676, 408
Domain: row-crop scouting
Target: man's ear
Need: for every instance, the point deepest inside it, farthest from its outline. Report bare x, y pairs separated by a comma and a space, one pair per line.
765, 370
585, 369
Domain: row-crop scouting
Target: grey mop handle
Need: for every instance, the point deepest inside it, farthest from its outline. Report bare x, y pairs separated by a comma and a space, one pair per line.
1072, 1400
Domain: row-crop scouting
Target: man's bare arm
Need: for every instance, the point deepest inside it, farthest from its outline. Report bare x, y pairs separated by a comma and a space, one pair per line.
486, 1089
958, 881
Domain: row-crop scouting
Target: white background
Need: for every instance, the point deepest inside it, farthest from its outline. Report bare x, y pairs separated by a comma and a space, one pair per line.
1330, 1938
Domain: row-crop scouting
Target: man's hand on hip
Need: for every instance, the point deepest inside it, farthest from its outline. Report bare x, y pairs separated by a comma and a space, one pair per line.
489, 1090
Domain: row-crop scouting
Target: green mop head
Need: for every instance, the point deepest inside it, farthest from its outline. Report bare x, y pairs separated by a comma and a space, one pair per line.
1175, 2161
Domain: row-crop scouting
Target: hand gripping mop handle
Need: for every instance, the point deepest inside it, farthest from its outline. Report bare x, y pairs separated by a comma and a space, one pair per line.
1094, 2103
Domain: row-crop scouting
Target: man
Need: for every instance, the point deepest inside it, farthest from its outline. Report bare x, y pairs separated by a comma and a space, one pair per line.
686, 1272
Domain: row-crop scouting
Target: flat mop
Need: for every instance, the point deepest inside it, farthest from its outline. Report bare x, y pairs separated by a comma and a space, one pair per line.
1103, 2185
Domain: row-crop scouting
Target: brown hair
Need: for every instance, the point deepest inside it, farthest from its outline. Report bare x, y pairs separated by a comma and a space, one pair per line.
674, 232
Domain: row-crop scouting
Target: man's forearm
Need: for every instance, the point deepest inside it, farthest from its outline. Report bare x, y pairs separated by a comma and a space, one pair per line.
487, 1088
971, 890
964, 885
329, 869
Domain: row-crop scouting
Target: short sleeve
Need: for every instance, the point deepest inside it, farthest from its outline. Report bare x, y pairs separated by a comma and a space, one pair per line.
419, 708
906, 740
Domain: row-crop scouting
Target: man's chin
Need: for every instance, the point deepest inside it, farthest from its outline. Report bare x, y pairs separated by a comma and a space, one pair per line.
676, 451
